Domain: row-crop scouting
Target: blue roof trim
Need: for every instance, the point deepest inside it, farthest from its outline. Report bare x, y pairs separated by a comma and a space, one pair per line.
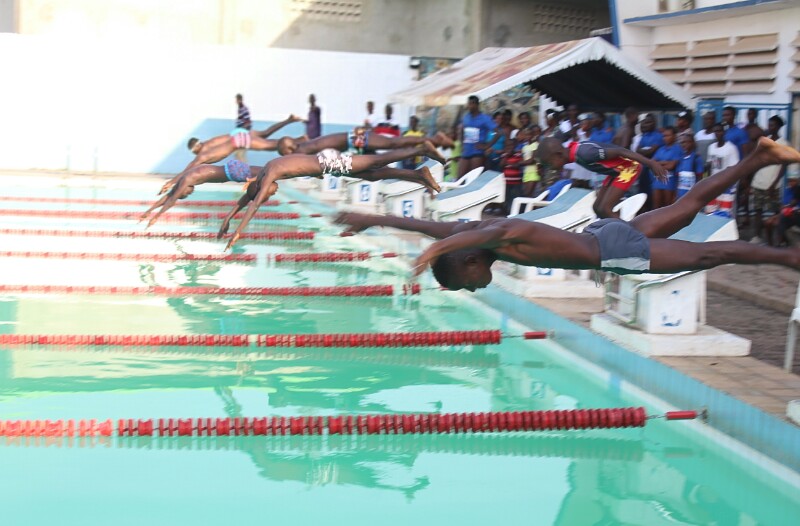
689, 12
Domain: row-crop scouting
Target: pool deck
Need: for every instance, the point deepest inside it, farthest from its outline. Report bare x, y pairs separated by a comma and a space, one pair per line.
753, 302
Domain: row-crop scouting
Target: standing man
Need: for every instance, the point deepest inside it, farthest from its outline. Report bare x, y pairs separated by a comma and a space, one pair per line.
650, 141
388, 126
733, 133
683, 124
413, 131
705, 137
371, 119
314, 121
242, 122
625, 133
766, 182
476, 128
722, 155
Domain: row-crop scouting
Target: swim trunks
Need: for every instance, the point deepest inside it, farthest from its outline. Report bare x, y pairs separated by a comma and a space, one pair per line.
335, 163
237, 171
621, 172
240, 138
623, 249
357, 140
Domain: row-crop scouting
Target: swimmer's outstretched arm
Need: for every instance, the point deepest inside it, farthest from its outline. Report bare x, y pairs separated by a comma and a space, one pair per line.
360, 222
226, 223
266, 189
488, 236
278, 125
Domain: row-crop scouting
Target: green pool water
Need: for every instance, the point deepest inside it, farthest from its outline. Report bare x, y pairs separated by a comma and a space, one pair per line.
665, 473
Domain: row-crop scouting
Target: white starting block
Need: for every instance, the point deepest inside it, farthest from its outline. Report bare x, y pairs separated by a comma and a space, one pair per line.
404, 198
664, 314
360, 194
466, 202
330, 188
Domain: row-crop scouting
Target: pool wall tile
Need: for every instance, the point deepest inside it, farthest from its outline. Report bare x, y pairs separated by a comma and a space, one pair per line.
771, 436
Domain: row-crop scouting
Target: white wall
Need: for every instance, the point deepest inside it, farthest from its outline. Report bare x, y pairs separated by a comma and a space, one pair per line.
134, 105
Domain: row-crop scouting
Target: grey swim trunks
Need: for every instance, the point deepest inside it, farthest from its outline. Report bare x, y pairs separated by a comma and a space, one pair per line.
623, 249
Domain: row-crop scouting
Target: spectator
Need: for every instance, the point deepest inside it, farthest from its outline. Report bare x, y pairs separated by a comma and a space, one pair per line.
788, 220
667, 156
497, 143
705, 136
454, 155
314, 121
649, 141
530, 173
571, 120
512, 168
690, 168
242, 122
733, 133
581, 177
752, 118
388, 126
476, 128
626, 131
765, 184
683, 124
721, 155
551, 123
601, 132
743, 188
524, 119
413, 131
371, 119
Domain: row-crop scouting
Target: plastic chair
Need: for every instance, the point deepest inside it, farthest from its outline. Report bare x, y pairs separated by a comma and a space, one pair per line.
464, 180
520, 205
628, 208
791, 337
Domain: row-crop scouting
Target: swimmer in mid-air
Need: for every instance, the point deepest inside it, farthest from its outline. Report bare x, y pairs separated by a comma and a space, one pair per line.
363, 141
463, 256
620, 166
217, 148
327, 162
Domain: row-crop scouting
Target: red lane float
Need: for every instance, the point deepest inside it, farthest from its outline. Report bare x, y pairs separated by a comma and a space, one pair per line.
171, 217
328, 257
125, 202
302, 235
384, 339
396, 339
117, 256
370, 424
354, 290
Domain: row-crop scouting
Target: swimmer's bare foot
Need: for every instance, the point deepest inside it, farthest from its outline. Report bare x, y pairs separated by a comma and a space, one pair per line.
430, 151
428, 181
295, 118
442, 139
771, 152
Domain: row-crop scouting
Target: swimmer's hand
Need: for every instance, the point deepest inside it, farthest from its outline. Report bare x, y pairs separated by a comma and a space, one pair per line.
232, 242
224, 228
357, 222
659, 171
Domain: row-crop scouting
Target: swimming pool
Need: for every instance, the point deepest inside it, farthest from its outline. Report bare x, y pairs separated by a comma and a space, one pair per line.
665, 473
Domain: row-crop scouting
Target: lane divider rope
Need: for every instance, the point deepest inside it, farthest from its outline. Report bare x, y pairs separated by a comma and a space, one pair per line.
352, 290
372, 424
126, 202
380, 339
121, 256
170, 217
301, 235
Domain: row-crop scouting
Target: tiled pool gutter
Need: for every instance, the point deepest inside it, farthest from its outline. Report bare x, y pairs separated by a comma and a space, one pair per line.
763, 432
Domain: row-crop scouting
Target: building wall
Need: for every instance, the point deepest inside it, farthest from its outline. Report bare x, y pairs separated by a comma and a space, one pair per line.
115, 107
8, 16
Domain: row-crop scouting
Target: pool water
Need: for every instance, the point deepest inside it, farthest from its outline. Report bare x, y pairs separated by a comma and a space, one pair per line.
666, 473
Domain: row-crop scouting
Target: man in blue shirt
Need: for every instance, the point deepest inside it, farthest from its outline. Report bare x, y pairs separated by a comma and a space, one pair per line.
733, 133
650, 140
601, 132
667, 156
477, 126
690, 167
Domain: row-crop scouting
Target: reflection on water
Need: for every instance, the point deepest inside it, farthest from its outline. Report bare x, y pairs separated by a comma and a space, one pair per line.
649, 476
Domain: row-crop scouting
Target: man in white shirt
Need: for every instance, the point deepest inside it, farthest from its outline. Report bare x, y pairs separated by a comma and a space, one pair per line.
721, 155
705, 136
371, 119
766, 182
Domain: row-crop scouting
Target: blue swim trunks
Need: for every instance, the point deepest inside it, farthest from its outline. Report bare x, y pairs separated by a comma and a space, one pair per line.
237, 171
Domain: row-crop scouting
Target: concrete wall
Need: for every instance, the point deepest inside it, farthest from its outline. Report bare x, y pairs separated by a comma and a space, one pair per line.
122, 107
8, 16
